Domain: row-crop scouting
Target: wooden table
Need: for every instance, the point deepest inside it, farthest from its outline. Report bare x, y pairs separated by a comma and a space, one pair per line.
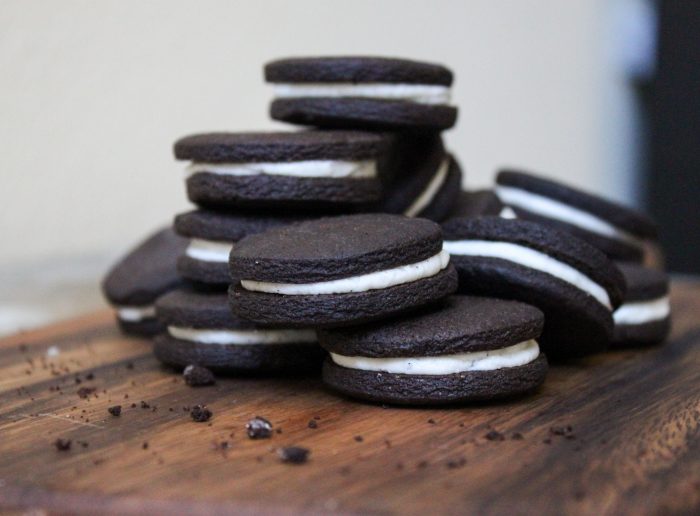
633, 445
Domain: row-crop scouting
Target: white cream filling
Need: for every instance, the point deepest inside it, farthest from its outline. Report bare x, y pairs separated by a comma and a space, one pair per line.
209, 250
641, 312
374, 280
426, 196
135, 313
433, 94
243, 337
508, 213
532, 259
304, 169
512, 356
546, 207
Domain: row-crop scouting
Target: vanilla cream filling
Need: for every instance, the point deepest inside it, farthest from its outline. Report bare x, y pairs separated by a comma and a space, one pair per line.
640, 312
508, 213
243, 337
362, 283
512, 356
433, 94
209, 250
532, 259
430, 190
546, 207
135, 313
303, 169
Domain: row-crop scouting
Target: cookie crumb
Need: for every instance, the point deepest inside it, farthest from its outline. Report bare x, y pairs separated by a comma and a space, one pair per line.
293, 454
259, 428
116, 410
200, 413
62, 444
495, 435
197, 376
84, 392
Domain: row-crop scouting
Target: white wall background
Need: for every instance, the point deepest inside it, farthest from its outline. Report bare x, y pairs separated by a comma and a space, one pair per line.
93, 93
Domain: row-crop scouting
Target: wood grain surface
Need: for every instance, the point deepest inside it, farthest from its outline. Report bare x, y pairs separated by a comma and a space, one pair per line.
616, 433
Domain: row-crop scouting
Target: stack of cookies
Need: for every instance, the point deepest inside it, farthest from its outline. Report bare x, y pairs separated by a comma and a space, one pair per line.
326, 244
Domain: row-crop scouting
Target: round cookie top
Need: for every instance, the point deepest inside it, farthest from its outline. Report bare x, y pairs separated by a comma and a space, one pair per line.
616, 214
560, 246
335, 247
477, 203
643, 283
280, 146
356, 69
188, 308
145, 272
460, 324
225, 226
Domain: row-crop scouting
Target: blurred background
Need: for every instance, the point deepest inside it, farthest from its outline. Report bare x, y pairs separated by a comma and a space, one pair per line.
92, 95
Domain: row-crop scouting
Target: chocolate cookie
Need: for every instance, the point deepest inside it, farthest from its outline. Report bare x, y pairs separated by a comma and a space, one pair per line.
362, 92
573, 283
460, 350
480, 203
211, 236
644, 318
201, 330
616, 230
307, 169
426, 179
337, 271
134, 283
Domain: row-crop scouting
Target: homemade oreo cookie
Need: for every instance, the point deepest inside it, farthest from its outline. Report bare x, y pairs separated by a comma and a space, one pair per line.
645, 316
211, 235
362, 92
616, 230
306, 169
426, 179
463, 349
574, 284
135, 282
201, 330
340, 270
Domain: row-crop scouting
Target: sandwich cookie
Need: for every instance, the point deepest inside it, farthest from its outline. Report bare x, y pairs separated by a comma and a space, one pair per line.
310, 169
616, 230
645, 316
201, 330
338, 271
139, 278
574, 284
480, 203
212, 234
426, 179
362, 92
464, 349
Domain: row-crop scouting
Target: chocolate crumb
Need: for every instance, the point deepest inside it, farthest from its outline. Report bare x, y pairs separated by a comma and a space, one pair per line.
145, 405
116, 410
313, 424
278, 431
133, 405
144, 446
517, 436
432, 421
130, 365
197, 376
547, 441
89, 376
200, 414
259, 428
422, 464
293, 454
84, 392
495, 435
359, 438
62, 444
456, 463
